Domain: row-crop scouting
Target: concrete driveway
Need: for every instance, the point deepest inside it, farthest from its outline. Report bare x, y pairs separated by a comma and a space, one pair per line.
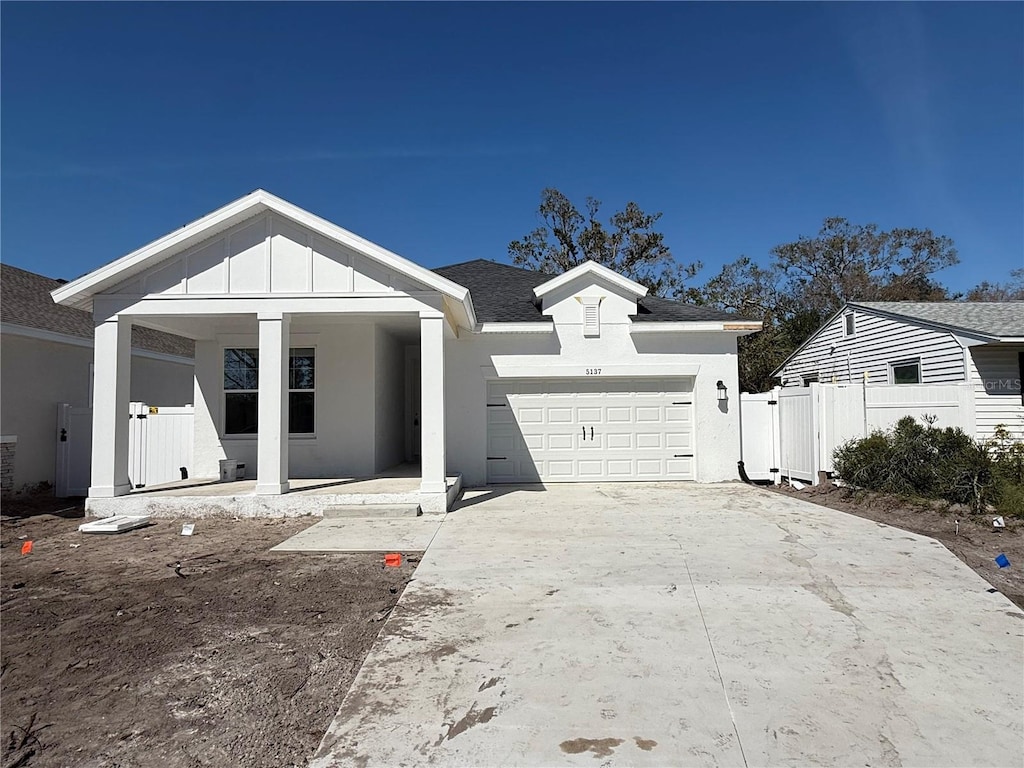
685, 625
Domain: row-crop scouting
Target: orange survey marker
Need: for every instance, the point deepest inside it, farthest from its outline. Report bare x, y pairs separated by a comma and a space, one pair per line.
26, 547
392, 560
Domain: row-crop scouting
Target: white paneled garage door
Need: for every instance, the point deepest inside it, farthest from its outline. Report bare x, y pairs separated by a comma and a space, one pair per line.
572, 430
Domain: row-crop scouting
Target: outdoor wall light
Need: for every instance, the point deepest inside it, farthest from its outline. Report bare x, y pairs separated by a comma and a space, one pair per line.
723, 393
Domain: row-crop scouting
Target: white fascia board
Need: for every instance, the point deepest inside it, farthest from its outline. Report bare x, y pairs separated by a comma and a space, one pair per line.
740, 328
595, 269
515, 328
78, 293
80, 341
778, 371
553, 370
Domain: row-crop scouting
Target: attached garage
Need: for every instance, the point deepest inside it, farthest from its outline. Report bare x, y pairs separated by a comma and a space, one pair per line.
590, 430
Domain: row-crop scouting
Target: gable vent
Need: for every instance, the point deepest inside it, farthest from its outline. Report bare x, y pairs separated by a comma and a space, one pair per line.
591, 317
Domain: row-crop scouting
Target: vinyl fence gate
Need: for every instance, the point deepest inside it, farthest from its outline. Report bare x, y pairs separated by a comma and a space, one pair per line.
793, 432
159, 446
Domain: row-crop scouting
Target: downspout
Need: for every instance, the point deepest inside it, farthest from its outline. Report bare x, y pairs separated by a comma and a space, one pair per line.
747, 480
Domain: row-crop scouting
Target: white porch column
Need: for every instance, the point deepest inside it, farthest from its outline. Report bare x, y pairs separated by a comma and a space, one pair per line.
112, 355
432, 455
272, 435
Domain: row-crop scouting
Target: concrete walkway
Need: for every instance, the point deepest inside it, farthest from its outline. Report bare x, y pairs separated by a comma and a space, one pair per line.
658, 625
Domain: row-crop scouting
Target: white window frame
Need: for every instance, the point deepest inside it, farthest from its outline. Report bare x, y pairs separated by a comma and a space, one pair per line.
224, 393
903, 364
849, 325
291, 350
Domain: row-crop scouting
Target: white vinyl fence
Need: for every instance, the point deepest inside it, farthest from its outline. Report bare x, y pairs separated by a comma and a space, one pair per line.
797, 440
159, 446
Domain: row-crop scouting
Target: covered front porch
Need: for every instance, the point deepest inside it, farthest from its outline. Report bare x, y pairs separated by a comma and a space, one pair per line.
343, 404
318, 355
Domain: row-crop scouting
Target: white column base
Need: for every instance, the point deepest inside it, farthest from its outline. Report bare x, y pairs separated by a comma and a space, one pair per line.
108, 492
271, 489
433, 503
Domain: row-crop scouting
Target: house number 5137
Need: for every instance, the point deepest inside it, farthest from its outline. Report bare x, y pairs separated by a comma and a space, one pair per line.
593, 371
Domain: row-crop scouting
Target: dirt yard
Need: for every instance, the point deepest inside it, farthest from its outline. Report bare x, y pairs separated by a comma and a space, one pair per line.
150, 648
977, 543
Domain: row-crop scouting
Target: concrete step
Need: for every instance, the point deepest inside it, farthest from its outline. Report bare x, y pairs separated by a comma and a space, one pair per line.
371, 511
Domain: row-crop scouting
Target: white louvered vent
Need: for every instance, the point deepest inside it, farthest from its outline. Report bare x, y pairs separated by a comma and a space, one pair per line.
591, 317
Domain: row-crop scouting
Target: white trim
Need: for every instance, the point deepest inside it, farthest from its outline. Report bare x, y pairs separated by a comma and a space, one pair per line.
554, 370
79, 341
8, 438
78, 293
689, 326
591, 268
515, 328
903, 364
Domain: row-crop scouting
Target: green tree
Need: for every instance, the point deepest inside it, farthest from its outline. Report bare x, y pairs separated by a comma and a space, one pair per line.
628, 243
809, 279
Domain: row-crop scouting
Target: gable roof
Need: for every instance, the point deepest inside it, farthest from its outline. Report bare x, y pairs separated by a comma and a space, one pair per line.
25, 301
996, 319
79, 293
631, 287
505, 294
991, 321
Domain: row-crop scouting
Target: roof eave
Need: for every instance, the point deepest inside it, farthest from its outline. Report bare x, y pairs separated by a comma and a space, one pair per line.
590, 268
738, 327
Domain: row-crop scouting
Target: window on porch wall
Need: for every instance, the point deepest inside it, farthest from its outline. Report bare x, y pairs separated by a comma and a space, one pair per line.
241, 391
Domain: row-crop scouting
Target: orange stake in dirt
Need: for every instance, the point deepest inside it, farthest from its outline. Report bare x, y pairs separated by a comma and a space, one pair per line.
392, 560
26, 547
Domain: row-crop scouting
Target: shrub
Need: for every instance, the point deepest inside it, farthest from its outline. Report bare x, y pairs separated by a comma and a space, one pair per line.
921, 460
1008, 456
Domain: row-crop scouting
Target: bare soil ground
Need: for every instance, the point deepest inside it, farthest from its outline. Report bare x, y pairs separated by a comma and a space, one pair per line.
112, 656
977, 543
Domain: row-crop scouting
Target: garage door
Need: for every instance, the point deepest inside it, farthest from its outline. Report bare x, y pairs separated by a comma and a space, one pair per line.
577, 430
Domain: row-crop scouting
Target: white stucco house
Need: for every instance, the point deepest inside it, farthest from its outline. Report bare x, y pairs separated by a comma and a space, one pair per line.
46, 360
922, 343
319, 354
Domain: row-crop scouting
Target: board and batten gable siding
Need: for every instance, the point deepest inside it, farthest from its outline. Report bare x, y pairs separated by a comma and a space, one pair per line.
996, 375
877, 343
267, 253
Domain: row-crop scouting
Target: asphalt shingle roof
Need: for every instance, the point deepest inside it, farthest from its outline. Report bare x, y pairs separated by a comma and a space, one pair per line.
25, 300
504, 294
990, 318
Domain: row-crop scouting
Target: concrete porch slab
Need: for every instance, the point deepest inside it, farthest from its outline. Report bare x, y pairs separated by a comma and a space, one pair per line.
335, 535
209, 498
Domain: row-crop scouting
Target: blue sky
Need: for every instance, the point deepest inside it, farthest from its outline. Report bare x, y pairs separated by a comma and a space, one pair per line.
431, 129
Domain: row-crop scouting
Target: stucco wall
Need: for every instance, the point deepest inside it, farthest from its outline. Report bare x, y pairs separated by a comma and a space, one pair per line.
716, 431
345, 405
36, 376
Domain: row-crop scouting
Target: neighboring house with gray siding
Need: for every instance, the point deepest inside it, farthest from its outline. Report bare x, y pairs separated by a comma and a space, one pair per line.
46, 358
943, 342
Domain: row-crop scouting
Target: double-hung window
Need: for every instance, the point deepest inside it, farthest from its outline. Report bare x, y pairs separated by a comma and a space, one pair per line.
241, 391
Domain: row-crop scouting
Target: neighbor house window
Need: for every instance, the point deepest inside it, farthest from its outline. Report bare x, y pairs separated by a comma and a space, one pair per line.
906, 373
850, 325
241, 391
